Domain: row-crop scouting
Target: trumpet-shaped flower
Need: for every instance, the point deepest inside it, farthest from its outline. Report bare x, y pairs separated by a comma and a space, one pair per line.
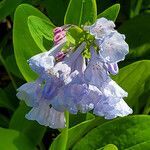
44, 61
101, 28
30, 93
112, 94
41, 111
46, 115
113, 48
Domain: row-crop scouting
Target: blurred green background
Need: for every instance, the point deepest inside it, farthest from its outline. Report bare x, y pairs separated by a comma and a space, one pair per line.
133, 21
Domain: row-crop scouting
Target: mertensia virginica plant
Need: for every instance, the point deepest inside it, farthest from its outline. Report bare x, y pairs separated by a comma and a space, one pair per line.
74, 76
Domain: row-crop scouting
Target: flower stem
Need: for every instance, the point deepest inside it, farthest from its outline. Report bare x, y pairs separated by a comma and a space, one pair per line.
65, 132
62, 139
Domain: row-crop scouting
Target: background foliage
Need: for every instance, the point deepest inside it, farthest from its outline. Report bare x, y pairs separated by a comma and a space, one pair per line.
26, 29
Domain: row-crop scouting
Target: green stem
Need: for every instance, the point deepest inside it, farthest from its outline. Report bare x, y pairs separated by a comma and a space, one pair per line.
66, 130
64, 134
9, 74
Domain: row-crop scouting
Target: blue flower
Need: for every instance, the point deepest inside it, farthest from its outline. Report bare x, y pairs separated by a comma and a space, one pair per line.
53, 75
112, 68
44, 61
113, 48
111, 44
41, 111
68, 81
112, 107
101, 28
30, 93
110, 104
47, 116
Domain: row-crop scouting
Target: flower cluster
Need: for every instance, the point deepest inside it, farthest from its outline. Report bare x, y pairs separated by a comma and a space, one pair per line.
70, 82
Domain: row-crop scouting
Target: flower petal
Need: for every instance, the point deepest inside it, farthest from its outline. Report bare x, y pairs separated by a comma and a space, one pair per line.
47, 116
30, 93
63, 69
112, 68
112, 89
112, 107
95, 72
101, 28
114, 48
44, 61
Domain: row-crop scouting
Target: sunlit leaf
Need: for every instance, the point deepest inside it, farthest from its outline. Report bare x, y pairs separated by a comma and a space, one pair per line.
110, 13
41, 30
133, 78
123, 132
24, 45
80, 12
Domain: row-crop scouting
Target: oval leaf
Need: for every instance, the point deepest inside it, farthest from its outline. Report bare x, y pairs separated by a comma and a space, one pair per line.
133, 78
123, 132
14, 140
40, 30
80, 12
24, 45
109, 147
74, 136
110, 13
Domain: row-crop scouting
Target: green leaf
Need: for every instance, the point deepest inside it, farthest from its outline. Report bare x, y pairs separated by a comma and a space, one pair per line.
14, 140
56, 10
80, 12
24, 45
40, 30
110, 13
123, 132
141, 146
74, 136
7, 7
133, 78
136, 30
109, 147
31, 129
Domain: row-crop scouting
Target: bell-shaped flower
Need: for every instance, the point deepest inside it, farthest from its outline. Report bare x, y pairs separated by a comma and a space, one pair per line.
95, 72
63, 68
112, 93
112, 107
113, 48
101, 28
44, 61
30, 92
77, 94
41, 111
47, 116
69, 82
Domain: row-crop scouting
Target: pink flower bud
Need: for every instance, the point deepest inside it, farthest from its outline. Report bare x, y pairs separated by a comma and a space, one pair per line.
57, 30
60, 56
59, 36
